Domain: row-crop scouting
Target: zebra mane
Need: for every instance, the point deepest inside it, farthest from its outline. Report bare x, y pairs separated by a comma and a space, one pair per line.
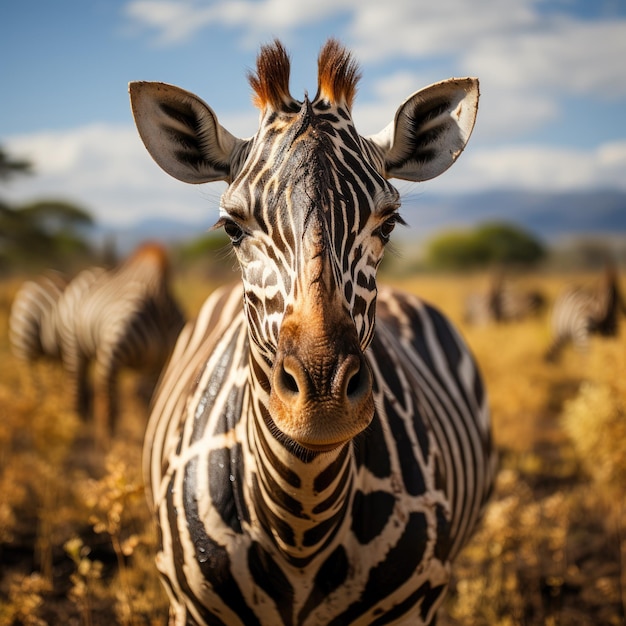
271, 80
338, 75
150, 254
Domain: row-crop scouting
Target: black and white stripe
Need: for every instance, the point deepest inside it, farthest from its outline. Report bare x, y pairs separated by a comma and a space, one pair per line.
319, 449
74, 361
582, 311
33, 328
252, 533
503, 302
126, 317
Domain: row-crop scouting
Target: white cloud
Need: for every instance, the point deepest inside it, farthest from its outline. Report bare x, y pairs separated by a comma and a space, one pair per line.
512, 114
528, 59
426, 29
536, 168
107, 170
564, 54
177, 21
173, 22
528, 64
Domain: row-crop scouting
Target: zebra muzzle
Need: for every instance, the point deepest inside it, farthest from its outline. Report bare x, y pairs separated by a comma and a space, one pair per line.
321, 401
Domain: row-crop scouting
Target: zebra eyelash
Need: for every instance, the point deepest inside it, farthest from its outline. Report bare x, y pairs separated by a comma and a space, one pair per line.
234, 231
384, 230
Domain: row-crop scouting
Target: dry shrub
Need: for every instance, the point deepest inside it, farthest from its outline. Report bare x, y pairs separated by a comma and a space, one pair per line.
25, 600
86, 580
595, 419
515, 559
14, 495
118, 511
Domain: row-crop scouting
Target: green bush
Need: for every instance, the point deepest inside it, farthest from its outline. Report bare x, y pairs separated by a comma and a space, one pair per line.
488, 244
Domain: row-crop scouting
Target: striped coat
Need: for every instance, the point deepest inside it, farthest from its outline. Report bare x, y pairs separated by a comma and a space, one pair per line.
502, 303
33, 326
582, 311
123, 318
319, 447
390, 511
75, 361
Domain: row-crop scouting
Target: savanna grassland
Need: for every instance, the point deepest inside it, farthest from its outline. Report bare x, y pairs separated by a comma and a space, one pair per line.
77, 543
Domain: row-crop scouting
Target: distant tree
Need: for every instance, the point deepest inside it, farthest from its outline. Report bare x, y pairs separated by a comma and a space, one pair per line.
56, 216
455, 250
507, 244
44, 233
9, 166
488, 244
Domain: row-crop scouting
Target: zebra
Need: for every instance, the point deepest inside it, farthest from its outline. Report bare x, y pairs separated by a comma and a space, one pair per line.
303, 466
581, 311
502, 302
75, 362
33, 332
123, 317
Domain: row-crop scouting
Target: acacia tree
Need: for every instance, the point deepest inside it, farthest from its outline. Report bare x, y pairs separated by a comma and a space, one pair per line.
43, 233
9, 166
489, 244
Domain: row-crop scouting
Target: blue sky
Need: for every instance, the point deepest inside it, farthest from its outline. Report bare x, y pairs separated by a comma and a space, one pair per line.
552, 72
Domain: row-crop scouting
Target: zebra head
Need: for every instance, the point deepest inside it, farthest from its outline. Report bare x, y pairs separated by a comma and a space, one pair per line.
309, 210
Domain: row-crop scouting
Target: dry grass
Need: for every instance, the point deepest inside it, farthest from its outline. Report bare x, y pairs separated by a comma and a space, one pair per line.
551, 547
76, 541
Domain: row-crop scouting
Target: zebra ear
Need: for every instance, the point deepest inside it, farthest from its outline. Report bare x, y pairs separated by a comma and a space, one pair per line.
182, 133
430, 130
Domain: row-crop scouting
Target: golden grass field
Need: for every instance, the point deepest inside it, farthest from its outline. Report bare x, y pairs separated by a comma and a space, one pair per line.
76, 540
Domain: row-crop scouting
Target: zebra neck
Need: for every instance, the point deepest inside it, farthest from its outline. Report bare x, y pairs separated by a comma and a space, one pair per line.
299, 501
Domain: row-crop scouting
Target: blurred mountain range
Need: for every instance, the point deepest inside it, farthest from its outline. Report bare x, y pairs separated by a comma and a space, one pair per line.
549, 216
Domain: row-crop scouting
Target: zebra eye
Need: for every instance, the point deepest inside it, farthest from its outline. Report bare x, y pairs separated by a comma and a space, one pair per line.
386, 228
233, 231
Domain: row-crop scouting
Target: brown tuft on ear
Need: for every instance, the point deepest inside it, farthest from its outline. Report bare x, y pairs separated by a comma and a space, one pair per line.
271, 80
338, 74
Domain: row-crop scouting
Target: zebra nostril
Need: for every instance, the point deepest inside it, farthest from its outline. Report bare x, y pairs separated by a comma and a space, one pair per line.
288, 379
349, 383
289, 382
354, 384
356, 378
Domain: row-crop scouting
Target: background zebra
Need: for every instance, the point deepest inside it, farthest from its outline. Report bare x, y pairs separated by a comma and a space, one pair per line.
124, 317
502, 302
581, 311
74, 360
303, 468
33, 331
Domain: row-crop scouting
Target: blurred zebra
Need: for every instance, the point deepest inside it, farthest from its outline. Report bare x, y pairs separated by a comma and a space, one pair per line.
74, 361
125, 317
582, 311
502, 303
33, 331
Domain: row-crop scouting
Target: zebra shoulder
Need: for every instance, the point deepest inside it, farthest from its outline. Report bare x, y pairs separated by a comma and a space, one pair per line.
416, 323
423, 339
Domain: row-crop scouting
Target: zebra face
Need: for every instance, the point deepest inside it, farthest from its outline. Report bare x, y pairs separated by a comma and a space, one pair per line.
309, 211
309, 216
